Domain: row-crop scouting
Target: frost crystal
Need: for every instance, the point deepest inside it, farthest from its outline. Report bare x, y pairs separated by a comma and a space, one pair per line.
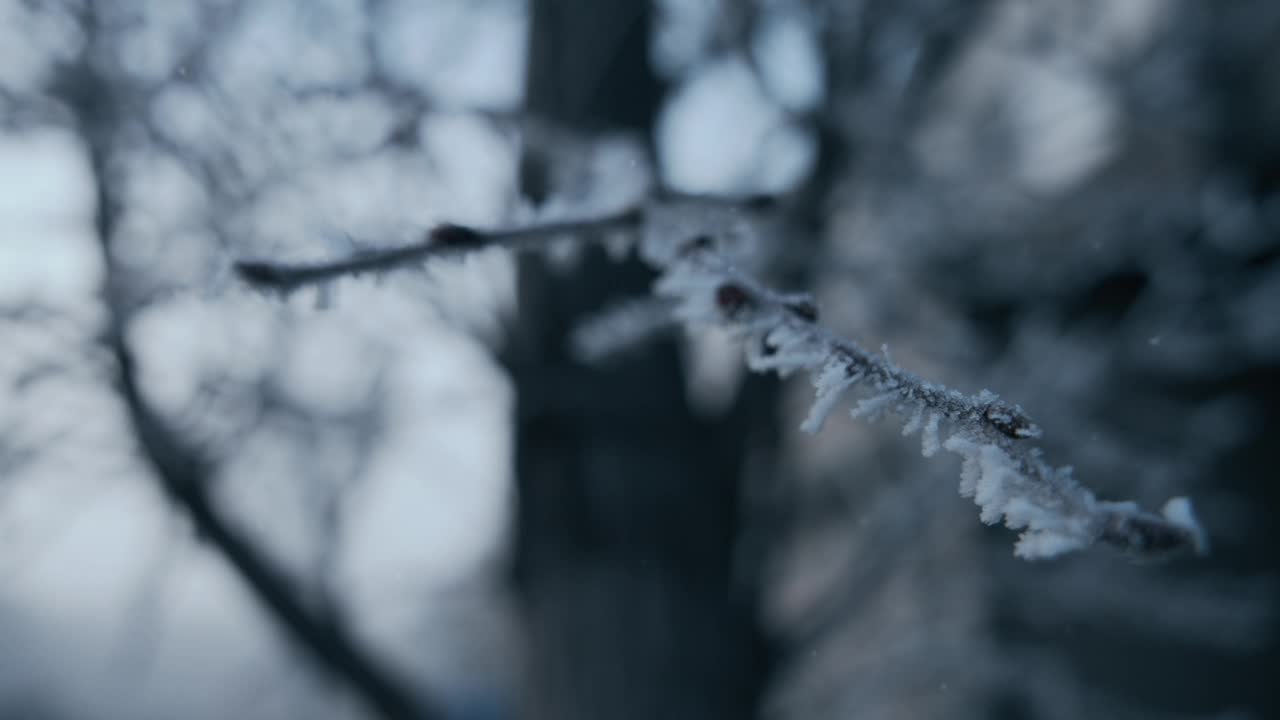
915, 423
830, 382
1055, 513
873, 408
929, 442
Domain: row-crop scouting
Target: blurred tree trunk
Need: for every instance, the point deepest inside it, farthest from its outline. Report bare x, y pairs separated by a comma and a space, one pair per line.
637, 599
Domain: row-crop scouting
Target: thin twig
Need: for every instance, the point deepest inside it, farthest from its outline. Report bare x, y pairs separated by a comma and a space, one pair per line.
442, 241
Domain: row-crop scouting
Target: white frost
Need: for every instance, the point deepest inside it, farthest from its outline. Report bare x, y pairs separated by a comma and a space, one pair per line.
830, 384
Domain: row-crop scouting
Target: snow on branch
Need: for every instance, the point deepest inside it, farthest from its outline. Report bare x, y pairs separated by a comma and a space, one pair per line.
691, 243
1006, 478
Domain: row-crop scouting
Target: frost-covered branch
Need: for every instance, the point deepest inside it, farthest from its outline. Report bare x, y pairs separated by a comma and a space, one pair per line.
692, 243
1007, 478
442, 241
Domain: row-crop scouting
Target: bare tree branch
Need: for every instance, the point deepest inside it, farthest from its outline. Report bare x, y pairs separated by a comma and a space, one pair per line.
184, 474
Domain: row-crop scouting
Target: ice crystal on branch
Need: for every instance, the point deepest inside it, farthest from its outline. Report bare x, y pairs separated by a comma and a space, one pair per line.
1005, 477
694, 245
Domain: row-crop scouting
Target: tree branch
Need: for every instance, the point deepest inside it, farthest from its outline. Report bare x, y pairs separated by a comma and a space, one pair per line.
1004, 475
184, 474
442, 241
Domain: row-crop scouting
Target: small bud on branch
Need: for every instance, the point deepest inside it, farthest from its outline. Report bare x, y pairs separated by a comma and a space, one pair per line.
732, 299
456, 237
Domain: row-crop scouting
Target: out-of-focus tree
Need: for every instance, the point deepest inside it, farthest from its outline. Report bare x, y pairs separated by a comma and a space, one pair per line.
222, 506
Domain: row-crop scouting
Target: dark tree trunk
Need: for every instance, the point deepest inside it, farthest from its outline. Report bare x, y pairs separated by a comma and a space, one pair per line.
636, 595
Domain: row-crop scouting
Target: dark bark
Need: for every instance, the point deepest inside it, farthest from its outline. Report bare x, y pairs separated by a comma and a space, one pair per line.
638, 599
